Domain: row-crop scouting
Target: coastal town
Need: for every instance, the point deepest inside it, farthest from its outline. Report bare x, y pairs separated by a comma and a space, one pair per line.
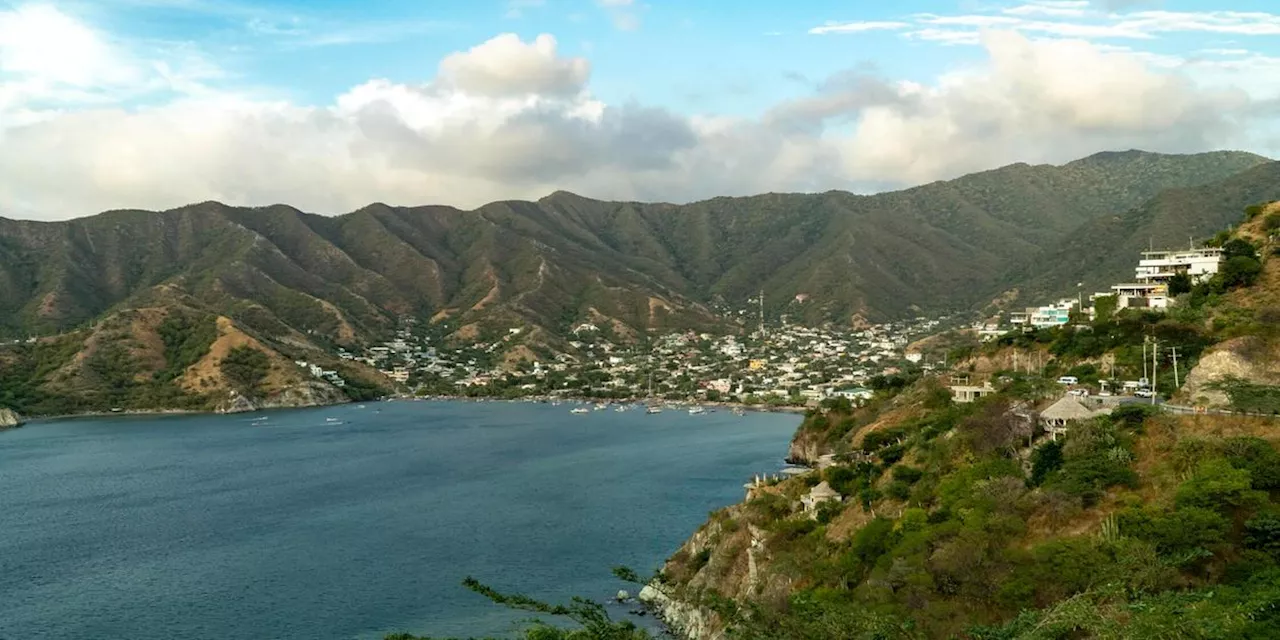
778, 364
783, 365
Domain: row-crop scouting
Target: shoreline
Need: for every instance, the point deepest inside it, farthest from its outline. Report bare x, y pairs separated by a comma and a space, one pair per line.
439, 398
755, 408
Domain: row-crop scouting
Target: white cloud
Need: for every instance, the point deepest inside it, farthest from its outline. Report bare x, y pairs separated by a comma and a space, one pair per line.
857, 27
1061, 28
1071, 19
1036, 101
50, 61
1252, 23
945, 36
512, 118
1050, 8
505, 66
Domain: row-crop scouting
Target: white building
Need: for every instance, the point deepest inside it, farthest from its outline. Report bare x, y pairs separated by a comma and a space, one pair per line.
817, 496
856, 394
1157, 267
1141, 294
1054, 315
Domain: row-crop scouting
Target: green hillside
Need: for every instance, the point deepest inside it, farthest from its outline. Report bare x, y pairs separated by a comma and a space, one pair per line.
974, 521
566, 258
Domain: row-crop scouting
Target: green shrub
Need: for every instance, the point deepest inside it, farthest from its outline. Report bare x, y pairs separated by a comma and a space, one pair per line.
245, 369
908, 475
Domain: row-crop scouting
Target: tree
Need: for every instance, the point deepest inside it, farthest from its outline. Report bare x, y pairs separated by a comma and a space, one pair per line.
1104, 308
1239, 247
245, 369
1271, 223
1047, 459
1179, 284
1240, 271
591, 620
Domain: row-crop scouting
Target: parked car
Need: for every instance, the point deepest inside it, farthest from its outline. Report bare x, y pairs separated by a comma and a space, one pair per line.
1144, 393
1079, 392
1068, 380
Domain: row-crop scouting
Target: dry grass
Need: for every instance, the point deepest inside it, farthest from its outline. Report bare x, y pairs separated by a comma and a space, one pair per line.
205, 375
887, 420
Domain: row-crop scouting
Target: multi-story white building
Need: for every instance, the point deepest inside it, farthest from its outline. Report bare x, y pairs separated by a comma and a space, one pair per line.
1054, 315
1157, 267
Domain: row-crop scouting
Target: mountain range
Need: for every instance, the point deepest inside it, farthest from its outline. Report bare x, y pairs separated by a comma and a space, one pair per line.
632, 266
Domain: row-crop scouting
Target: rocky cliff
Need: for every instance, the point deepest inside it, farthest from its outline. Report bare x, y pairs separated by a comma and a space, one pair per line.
310, 393
1247, 359
9, 419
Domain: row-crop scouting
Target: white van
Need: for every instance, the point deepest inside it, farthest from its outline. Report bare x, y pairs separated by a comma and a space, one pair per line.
1068, 380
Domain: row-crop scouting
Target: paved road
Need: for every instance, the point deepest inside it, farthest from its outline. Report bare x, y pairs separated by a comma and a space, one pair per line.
1217, 412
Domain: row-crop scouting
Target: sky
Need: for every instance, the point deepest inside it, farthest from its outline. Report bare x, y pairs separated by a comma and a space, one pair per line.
329, 105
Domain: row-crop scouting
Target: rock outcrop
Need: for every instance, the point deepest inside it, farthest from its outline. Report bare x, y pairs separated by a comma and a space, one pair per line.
806, 447
683, 619
9, 418
312, 393
1248, 358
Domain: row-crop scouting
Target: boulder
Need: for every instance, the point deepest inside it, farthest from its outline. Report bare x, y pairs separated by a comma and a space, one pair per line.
9, 418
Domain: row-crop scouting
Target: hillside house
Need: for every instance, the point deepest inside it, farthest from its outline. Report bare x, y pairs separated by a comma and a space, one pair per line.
1059, 415
817, 496
1157, 267
856, 394
964, 393
1054, 315
1139, 295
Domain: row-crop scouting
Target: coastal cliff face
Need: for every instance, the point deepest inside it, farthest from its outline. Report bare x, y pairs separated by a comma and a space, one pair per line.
806, 447
724, 557
728, 556
9, 419
310, 393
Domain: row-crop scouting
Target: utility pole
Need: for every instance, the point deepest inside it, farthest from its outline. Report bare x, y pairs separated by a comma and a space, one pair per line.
1176, 382
1155, 349
1145, 376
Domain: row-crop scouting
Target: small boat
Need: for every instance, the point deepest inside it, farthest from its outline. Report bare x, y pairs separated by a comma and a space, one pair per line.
601, 407
652, 410
579, 410
331, 420
739, 412
696, 411
621, 408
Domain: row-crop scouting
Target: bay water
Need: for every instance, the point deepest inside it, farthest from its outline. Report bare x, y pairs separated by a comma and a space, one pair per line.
350, 522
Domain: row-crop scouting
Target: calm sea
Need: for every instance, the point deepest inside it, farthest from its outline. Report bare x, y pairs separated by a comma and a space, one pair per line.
301, 526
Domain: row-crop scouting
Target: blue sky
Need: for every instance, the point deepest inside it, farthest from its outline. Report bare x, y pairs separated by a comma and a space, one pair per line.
724, 97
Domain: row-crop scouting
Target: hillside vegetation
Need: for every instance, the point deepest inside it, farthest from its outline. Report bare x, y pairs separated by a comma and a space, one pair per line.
968, 520
164, 358
275, 270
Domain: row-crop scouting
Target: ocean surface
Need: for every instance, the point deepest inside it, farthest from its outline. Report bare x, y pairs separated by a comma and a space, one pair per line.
350, 522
